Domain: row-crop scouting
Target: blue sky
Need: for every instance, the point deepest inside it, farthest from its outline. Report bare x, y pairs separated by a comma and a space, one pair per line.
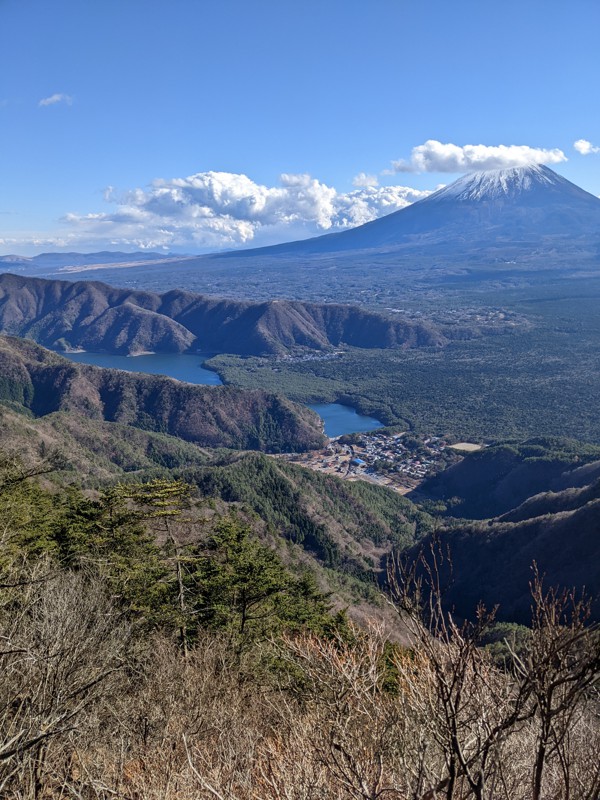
169, 125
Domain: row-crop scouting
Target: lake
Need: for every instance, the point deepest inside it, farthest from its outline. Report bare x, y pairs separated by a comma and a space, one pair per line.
338, 419
341, 419
182, 366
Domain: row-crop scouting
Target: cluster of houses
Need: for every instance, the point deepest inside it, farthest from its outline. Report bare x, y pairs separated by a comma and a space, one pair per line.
312, 356
400, 461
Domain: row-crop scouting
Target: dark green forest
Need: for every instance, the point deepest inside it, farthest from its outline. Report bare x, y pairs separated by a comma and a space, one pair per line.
540, 381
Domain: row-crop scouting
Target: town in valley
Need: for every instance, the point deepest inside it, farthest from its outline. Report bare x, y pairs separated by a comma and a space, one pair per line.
400, 461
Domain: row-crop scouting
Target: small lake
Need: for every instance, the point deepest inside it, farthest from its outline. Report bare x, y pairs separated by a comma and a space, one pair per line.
338, 419
182, 366
341, 419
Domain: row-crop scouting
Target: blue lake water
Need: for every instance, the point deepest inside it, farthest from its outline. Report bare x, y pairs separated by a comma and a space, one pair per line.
341, 419
182, 366
338, 419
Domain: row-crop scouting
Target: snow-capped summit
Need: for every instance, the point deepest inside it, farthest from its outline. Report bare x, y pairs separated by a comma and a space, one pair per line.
530, 207
502, 183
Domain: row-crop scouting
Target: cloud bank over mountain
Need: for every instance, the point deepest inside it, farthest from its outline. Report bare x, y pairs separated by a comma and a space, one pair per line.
434, 156
216, 210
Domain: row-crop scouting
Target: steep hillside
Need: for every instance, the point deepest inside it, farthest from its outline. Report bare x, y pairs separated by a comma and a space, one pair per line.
345, 526
350, 527
493, 561
93, 452
544, 497
557, 502
495, 480
93, 316
44, 382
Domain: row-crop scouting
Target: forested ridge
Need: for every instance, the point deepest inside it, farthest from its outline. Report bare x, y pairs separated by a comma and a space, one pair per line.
498, 478
94, 316
43, 382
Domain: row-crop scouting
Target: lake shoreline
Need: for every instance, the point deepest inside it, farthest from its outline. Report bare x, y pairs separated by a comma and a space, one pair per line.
338, 418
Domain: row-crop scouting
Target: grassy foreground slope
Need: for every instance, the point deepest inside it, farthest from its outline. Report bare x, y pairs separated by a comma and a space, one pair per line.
153, 647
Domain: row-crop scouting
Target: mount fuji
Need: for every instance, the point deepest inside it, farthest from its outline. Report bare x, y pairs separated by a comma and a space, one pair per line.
526, 224
520, 206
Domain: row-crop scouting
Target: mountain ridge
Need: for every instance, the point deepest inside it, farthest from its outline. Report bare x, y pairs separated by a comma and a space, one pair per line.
492, 482
91, 315
41, 382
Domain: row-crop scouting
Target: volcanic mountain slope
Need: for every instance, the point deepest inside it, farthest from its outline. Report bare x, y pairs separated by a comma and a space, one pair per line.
524, 205
42, 382
93, 316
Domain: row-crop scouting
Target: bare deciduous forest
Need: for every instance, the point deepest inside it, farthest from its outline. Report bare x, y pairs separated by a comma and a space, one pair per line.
135, 669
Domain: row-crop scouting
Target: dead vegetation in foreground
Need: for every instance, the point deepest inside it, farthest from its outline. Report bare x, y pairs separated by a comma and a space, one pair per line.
92, 709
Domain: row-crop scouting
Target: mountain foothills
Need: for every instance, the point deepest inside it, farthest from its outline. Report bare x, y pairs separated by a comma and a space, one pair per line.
44, 382
93, 316
492, 561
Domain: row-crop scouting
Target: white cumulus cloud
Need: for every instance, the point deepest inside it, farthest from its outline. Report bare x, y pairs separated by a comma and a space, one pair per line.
56, 98
585, 148
219, 210
363, 179
434, 156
